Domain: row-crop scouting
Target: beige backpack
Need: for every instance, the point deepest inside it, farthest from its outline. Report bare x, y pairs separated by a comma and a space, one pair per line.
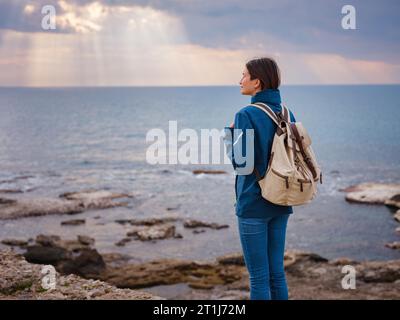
292, 172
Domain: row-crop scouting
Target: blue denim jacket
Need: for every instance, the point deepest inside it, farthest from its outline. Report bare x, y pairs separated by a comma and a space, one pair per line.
249, 202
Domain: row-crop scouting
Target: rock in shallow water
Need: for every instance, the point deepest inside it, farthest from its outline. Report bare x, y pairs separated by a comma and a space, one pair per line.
68, 203
146, 233
200, 171
122, 242
393, 245
74, 222
15, 242
148, 221
68, 256
393, 201
197, 224
372, 193
396, 216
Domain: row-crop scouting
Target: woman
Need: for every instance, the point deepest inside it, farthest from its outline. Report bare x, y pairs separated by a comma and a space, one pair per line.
262, 224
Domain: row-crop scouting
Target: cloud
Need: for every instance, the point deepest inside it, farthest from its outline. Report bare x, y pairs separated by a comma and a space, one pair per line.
175, 42
311, 26
336, 69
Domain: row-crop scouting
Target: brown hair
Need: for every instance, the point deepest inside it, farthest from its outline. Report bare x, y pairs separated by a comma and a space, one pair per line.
266, 70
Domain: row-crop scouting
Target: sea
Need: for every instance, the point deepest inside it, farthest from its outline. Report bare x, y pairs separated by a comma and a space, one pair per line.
56, 140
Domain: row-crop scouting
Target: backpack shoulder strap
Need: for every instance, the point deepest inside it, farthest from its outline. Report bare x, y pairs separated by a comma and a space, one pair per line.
299, 141
267, 110
285, 113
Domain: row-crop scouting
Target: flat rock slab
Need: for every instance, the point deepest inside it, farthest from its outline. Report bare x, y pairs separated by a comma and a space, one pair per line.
372, 193
309, 275
15, 242
148, 221
74, 222
394, 201
200, 171
393, 245
94, 195
200, 224
67, 203
156, 232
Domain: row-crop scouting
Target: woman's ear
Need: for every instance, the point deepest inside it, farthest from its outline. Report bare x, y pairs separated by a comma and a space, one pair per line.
257, 84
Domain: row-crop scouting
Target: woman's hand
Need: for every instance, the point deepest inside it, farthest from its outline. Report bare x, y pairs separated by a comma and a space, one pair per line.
231, 126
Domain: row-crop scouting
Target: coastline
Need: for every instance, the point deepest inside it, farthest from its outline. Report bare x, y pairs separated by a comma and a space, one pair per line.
309, 275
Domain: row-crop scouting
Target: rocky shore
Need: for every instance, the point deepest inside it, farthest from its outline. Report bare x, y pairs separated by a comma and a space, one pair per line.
84, 273
309, 276
377, 194
22, 280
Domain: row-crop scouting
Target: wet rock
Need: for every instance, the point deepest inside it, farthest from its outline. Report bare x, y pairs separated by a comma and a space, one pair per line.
148, 221
299, 262
15, 242
39, 207
396, 216
231, 295
156, 232
67, 256
95, 198
393, 245
85, 240
11, 191
22, 280
68, 203
342, 261
199, 171
5, 201
48, 240
117, 259
231, 259
45, 254
74, 222
123, 221
196, 274
379, 271
198, 231
309, 276
173, 208
197, 224
372, 193
86, 263
24, 177
393, 201
122, 242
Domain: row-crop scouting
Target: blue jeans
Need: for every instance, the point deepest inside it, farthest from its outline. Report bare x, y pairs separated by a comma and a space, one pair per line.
263, 244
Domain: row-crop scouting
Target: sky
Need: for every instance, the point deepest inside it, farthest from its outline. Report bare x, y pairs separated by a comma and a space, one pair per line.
196, 42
